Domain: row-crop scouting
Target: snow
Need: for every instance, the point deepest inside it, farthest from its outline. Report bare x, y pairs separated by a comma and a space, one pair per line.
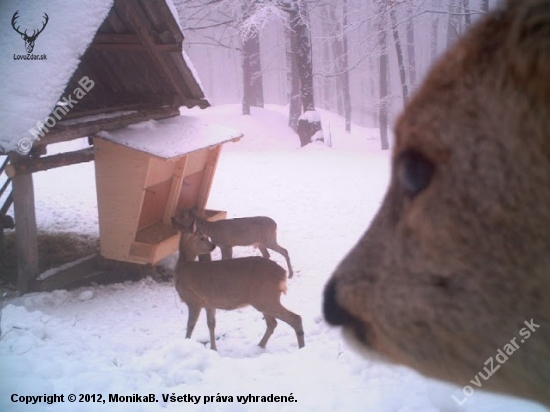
34, 87
128, 338
171, 137
311, 116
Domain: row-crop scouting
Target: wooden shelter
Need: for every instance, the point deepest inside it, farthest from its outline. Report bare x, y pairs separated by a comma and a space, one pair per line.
139, 73
144, 176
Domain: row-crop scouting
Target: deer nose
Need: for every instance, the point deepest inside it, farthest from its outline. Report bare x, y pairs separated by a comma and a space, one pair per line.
335, 314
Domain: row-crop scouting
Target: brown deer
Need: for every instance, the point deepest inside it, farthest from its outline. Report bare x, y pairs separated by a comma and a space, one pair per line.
228, 284
456, 264
259, 231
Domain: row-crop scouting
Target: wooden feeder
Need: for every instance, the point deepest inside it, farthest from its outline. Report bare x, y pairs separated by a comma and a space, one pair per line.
145, 172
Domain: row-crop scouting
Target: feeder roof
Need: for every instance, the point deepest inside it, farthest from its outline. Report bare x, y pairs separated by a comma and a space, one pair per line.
173, 137
130, 49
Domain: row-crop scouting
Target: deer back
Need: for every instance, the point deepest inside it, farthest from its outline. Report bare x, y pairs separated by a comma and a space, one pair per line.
230, 284
239, 231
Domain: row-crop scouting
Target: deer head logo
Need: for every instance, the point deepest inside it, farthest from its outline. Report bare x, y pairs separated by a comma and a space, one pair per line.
29, 40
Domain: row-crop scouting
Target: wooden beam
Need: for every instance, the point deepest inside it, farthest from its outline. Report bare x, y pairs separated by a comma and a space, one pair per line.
25, 234
134, 47
66, 275
138, 107
31, 165
157, 56
128, 42
63, 133
177, 181
115, 38
106, 100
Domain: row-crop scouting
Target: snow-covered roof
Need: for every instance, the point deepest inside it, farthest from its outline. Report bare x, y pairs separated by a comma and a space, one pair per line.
171, 137
130, 50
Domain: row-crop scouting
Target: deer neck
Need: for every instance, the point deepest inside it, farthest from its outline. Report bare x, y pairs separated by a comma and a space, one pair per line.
187, 252
203, 225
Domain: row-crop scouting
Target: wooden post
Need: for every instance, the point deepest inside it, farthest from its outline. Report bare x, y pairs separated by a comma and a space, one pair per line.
25, 234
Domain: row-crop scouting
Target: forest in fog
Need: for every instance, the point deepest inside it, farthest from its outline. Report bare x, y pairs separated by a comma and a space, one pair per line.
361, 59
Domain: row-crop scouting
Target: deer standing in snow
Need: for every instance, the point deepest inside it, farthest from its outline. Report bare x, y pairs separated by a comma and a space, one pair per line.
456, 264
228, 284
259, 231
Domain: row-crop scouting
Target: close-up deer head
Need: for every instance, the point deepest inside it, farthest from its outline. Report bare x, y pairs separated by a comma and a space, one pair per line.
29, 40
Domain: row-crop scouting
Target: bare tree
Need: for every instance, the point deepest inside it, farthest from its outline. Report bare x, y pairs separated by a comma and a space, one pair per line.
399, 53
253, 94
293, 77
383, 63
344, 66
298, 18
467, 16
453, 23
411, 55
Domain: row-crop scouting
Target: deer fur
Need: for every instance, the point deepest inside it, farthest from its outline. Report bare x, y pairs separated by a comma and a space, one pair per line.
458, 257
259, 231
229, 284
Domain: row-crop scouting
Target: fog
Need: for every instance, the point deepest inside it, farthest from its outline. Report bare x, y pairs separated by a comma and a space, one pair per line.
215, 30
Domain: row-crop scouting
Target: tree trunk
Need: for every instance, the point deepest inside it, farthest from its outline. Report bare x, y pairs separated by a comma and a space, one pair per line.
485, 6
257, 85
345, 68
307, 126
383, 111
411, 55
247, 78
467, 17
253, 94
26, 237
327, 98
302, 52
293, 81
453, 24
433, 38
399, 52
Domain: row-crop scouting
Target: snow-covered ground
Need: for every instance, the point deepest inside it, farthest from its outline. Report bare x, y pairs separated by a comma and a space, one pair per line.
128, 339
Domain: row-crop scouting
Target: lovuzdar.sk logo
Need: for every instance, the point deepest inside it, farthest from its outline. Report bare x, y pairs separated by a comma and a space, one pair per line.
29, 40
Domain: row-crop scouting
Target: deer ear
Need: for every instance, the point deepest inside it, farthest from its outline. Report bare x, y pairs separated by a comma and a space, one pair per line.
528, 45
23, 36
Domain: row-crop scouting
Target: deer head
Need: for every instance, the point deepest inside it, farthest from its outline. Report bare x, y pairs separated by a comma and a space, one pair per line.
29, 40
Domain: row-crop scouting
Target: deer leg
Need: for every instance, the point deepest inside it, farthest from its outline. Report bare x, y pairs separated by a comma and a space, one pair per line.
227, 252
194, 312
263, 250
294, 320
211, 322
271, 324
284, 252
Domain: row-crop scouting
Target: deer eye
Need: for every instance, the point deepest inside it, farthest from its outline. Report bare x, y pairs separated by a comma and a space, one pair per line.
414, 171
